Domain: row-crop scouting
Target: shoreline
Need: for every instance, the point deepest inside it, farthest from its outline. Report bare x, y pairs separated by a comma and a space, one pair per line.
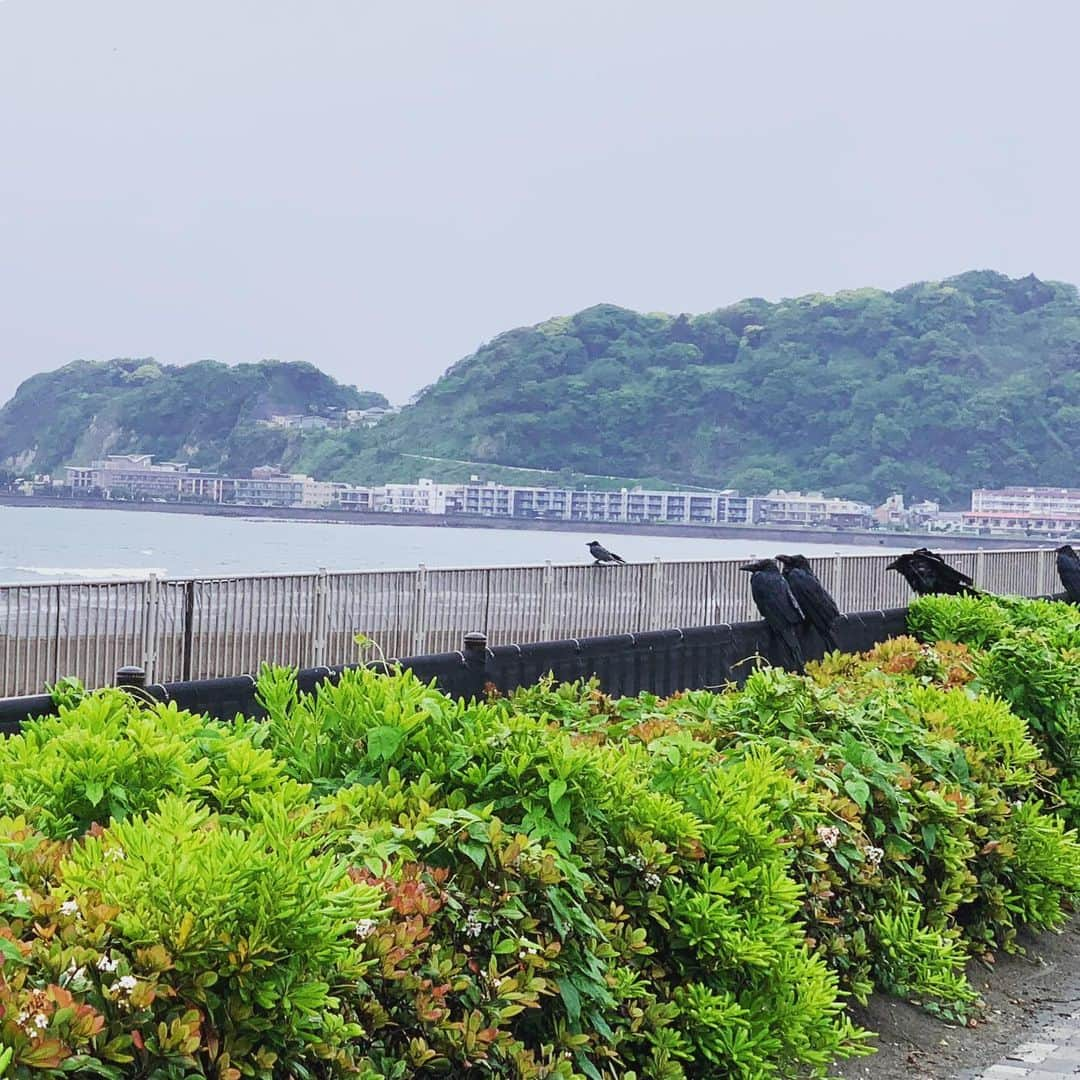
848, 537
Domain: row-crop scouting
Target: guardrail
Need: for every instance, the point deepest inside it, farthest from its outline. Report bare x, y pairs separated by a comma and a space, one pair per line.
201, 628
660, 661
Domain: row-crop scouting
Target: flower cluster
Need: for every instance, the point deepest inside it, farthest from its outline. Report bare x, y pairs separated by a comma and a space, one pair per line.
829, 835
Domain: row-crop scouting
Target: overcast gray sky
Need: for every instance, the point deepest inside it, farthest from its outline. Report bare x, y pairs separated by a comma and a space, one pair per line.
378, 188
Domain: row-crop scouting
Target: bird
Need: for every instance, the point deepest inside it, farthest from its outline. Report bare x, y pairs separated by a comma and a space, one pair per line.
928, 573
778, 606
818, 606
601, 553
1068, 568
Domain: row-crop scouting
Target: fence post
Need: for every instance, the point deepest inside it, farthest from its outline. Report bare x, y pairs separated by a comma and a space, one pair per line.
131, 677
475, 653
1048, 579
420, 612
839, 583
189, 628
321, 618
655, 582
150, 628
980, 567
547, 598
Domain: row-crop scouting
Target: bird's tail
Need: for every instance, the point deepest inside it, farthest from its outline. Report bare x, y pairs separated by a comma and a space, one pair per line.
619, 558
794, 649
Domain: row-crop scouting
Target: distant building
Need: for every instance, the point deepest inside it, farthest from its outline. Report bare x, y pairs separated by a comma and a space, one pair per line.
814, 508
893, 514
303, 422
369, 417
136, 476
1042, 510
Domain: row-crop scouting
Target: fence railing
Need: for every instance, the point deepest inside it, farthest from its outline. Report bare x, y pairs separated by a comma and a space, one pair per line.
659, 661
183, 629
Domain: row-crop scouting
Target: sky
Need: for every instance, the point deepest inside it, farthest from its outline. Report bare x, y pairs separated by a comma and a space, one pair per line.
379, 188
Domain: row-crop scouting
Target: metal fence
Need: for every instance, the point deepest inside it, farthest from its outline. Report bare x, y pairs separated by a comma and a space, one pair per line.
210, 627
659, 661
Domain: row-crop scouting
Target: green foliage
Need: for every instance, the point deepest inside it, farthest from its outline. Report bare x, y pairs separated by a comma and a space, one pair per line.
379, 881
933, 389
203, 413
1030, 657
105, 758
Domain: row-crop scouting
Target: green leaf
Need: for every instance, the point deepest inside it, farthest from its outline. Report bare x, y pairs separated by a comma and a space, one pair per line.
383, 742
94, 791
556, 790
10, 951
571, 999
476, 852
859, 790
561, 811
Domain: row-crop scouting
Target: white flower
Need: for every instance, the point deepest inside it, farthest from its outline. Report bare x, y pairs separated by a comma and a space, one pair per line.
473, 926
127, 983
69, 907
20, 897
829, 835
114, 854
22, 1018
874, 855
105, 964
41, 1021
365, 928
651, 880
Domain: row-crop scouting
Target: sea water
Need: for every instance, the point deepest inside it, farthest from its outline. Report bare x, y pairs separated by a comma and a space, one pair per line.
39, 544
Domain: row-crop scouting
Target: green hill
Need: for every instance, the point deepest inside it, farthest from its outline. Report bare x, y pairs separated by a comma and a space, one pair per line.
204, 413
932, 389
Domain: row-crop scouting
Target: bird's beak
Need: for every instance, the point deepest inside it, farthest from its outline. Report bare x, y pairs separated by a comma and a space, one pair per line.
748, 569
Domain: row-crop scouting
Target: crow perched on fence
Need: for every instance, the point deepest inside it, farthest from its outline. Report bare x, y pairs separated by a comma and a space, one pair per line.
601, 553
1068, 568
777, 605
818, 606
927, 573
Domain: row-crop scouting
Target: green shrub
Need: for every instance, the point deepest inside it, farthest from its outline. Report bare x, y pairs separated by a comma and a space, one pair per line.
107, 757
385, 883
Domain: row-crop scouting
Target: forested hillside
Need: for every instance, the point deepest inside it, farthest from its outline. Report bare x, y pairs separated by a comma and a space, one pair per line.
931, 389
203, 413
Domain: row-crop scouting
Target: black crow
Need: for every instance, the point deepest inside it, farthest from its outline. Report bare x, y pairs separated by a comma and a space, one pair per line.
775, 602
601, 553
927, 573
818, 606
1068, 568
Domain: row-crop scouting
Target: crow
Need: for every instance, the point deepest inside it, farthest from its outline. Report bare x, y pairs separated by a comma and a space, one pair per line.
818, 606
1068, 568
775, 602
601, 553
927, 573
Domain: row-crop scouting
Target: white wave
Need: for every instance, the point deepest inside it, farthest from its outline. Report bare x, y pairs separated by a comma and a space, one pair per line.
94, 573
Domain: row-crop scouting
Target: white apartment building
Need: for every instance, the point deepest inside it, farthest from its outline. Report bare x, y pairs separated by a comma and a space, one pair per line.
423, 497
1044, 510
814, 508
136, 475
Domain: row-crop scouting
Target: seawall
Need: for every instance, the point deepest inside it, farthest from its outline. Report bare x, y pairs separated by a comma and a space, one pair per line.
779, 533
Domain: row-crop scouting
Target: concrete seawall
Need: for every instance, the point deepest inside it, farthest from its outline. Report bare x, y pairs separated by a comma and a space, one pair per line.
839, 537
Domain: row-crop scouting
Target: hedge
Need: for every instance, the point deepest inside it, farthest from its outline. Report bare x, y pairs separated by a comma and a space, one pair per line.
379, 881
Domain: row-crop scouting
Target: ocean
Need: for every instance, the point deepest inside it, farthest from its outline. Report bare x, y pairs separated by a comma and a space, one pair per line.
39, 544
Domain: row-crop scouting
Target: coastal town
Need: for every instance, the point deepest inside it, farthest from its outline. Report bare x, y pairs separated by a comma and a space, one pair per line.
1045, 512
